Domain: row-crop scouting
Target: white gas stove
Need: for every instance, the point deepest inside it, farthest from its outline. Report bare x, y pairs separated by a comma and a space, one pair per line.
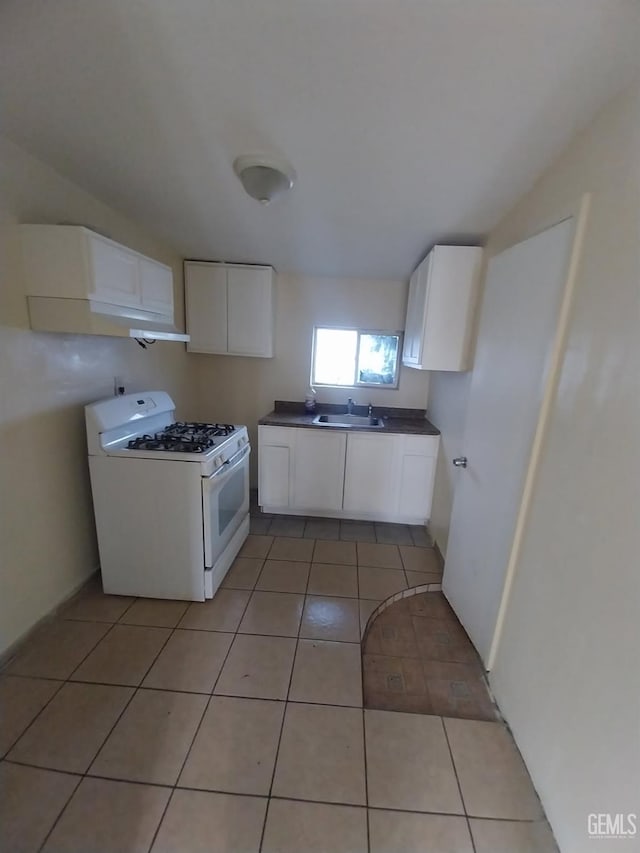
171, 498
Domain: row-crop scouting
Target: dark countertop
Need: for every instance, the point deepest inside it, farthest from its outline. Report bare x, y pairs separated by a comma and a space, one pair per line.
407, 421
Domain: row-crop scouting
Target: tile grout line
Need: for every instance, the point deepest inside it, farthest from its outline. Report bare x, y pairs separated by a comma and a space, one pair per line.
200, 693
62, 811
119, 717
214, 630
28, 726
234, 793
127, 608
455, 771
140, 685
363, 564
364, 730
199, 726
366, 777
61, 681
136, 689
404, 569
284, 713
62, 684
253, 588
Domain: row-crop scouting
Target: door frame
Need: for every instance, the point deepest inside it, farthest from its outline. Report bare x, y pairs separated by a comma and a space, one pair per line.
579, 212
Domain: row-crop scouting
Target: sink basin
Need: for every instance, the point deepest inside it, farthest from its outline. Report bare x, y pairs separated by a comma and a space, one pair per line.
345, 421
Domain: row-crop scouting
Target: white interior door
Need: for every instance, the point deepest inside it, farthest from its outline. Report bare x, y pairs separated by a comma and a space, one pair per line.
518, 325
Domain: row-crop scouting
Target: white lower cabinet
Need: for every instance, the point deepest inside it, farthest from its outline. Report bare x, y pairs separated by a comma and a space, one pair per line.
275, 457
370, 473
416, 471
380, 477
318, 472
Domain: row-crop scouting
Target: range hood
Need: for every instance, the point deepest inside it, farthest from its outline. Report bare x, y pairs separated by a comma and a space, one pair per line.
81, 282
91, 317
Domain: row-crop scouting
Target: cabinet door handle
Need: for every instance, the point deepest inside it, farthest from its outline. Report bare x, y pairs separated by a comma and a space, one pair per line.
460, 461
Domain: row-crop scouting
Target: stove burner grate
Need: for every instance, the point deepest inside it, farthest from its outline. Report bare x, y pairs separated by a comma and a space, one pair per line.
183, 437
160, 441
195, 429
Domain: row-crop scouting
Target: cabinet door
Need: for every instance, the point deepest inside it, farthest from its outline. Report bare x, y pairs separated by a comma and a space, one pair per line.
416, 314
115, 273
250, 312
156, 286
275, 457
452, 300
369, 479
411, 327
415, 490
206, 307
318, 469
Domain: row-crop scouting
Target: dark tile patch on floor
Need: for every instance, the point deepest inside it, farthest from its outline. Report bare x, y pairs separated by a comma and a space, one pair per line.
322, 528
417, 657
287, 526
350, 530
259, 526
420, 537
393, 534
357, 531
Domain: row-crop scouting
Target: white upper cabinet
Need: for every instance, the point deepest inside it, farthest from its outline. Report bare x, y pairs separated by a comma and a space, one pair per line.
115, 277
250, 311
72, 262
156, 286
413, 332
205, 288
442, 298
229, 308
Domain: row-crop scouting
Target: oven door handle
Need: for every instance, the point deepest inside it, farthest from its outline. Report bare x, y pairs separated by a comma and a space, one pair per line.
229, 466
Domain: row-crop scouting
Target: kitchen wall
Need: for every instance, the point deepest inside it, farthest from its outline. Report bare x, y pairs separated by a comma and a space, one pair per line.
566, 671
243, 389
47, 538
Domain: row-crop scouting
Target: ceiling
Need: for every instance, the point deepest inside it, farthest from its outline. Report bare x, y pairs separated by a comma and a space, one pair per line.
408, 121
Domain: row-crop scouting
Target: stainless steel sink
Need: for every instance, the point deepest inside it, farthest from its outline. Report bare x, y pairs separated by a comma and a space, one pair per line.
346, 421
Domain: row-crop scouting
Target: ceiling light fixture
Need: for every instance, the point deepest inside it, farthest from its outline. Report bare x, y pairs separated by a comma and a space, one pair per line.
264, 178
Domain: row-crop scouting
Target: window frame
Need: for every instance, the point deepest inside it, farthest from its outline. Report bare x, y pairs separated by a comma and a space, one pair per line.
360, 332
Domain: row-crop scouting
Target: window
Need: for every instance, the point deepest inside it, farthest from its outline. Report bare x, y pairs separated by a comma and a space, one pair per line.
354, 357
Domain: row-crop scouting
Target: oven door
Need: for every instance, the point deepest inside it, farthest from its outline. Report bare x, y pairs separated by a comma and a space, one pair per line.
225, 503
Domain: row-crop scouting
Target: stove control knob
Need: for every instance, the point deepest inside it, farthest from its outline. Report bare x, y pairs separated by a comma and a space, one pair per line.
217, 462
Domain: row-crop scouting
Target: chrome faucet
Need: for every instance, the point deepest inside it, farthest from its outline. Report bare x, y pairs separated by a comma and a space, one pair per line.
350, 406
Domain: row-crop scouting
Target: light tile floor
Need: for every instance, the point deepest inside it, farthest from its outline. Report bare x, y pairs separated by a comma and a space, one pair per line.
237, 726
